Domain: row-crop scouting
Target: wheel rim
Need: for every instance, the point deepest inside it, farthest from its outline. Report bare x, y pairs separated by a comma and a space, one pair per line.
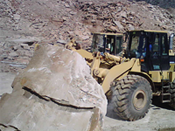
139, 100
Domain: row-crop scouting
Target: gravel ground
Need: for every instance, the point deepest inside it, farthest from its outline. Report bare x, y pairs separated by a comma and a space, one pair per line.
157, 119
6, 80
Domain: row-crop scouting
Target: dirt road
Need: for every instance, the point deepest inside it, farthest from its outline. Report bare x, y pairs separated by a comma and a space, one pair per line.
158, 119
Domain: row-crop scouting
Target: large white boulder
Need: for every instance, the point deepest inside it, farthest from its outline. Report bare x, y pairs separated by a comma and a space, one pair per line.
54, 92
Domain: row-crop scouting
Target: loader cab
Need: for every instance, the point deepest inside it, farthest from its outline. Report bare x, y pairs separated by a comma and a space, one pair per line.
107, 42
151, 47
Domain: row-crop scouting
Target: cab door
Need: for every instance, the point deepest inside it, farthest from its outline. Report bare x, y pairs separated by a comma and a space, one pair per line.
158, 56
118, 44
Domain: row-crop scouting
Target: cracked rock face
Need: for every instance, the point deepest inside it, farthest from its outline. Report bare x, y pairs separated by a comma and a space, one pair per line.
54, 92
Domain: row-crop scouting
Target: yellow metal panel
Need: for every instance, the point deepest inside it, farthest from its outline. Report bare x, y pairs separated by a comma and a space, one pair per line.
171, 53
95, 65
172, 67
157, 31
123, 75
112, 57
155, 75
136, 67
165, 74
85, 54
115, 72
172, 76
116, 34
102, 72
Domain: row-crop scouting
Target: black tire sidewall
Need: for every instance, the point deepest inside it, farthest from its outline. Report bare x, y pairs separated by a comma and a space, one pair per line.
143, 85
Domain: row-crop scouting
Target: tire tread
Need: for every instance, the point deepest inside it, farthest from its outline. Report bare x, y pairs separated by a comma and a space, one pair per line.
120, 92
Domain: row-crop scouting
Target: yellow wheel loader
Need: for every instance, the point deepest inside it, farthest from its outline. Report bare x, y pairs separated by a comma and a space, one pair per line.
131, 77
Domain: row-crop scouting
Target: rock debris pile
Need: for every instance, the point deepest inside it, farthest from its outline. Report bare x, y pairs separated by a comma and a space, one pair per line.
57, 21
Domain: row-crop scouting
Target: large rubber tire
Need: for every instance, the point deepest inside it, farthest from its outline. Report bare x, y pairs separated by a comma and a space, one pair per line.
172, 91
131, 97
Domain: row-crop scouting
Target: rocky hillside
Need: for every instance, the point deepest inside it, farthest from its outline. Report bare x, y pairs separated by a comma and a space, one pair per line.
23, 22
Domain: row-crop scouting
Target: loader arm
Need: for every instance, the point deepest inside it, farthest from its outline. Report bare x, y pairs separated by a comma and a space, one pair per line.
115, 72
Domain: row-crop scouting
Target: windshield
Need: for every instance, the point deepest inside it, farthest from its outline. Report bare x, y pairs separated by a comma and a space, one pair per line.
137, 45
97, 43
